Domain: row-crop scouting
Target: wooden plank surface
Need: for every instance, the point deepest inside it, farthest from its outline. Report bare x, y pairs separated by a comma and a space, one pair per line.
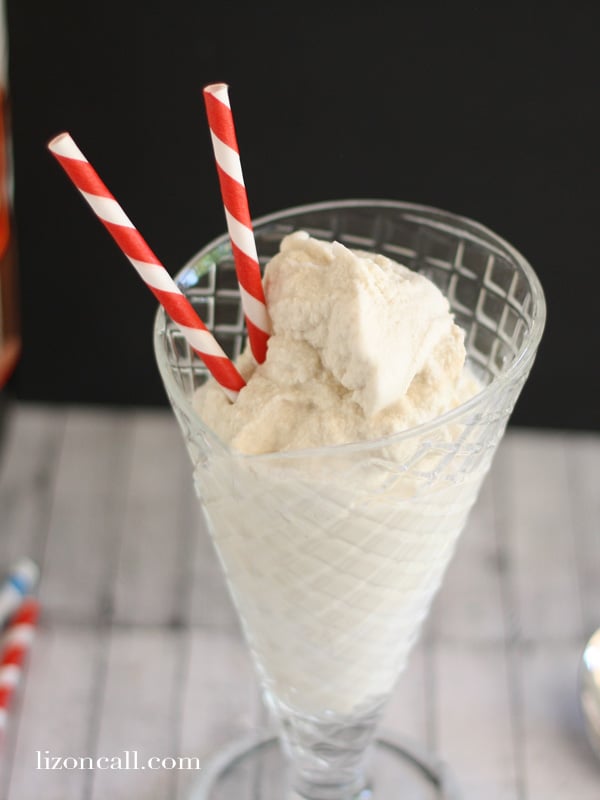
139, 647
534, 518
140, 706
56, 715
583, 476
153, 577
86, 517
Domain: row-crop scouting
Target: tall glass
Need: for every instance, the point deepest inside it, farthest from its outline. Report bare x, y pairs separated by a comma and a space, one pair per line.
333, 555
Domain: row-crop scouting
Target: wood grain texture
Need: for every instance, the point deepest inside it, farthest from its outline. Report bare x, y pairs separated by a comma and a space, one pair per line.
152, 577
139, 647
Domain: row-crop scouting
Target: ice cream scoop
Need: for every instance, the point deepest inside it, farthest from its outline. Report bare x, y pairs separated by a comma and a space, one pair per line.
362, 347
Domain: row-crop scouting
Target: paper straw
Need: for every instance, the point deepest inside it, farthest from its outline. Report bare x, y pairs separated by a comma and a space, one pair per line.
16, 643
152, 272
21, 581
237, 214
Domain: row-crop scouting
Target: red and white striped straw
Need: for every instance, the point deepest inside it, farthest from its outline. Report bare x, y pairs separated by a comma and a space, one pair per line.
152, 272
16, 643
237, 214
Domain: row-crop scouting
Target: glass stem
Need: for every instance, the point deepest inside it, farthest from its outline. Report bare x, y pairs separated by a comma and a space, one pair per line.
328, 757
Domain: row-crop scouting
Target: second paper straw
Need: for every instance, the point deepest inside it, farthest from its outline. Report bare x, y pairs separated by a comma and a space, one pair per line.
237, 214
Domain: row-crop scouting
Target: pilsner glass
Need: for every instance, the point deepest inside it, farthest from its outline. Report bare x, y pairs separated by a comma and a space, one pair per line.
333, 555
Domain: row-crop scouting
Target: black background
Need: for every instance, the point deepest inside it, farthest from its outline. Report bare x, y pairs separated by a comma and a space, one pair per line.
490, 111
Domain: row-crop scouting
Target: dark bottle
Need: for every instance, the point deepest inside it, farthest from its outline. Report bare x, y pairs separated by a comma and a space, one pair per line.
10, 340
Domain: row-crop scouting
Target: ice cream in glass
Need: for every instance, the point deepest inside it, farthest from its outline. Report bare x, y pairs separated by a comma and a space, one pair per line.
336, 485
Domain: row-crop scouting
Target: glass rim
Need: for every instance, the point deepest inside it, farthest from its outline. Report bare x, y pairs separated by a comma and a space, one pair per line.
517, 369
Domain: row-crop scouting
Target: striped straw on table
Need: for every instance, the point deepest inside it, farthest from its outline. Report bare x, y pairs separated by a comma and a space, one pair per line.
21, 581
14, 647
237, 214
152, 272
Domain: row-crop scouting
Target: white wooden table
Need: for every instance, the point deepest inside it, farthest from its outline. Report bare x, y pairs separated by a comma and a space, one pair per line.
139, 649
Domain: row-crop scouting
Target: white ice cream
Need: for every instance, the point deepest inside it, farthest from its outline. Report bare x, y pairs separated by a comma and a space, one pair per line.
361, 347
333, 561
